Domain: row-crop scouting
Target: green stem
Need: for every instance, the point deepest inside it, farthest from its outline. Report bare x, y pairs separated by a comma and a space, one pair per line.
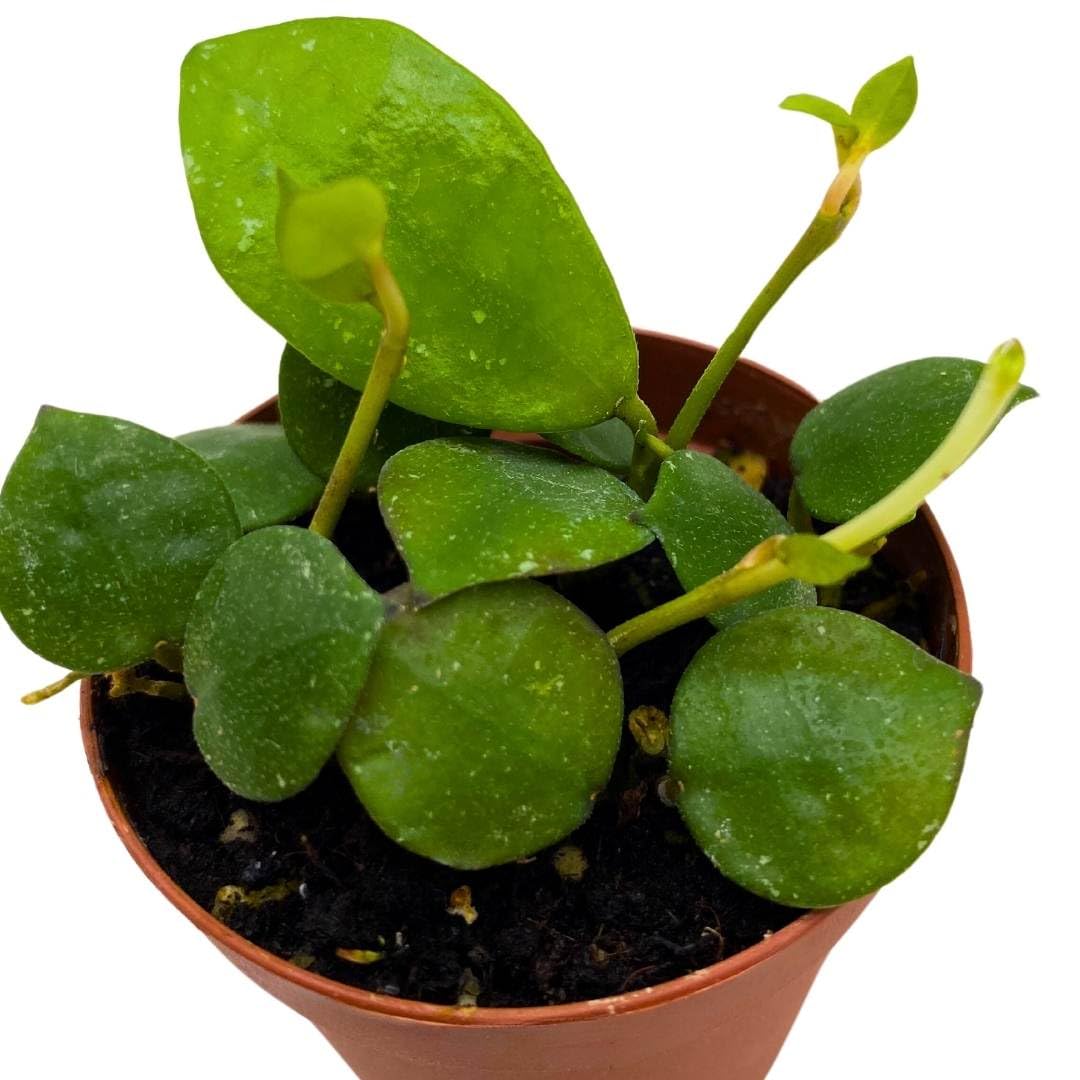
760, 569
655, 445
823, 232
46, 692
384, 370
638, 416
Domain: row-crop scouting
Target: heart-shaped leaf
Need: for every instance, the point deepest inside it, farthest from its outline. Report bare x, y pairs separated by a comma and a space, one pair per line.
529, 335
854, 448
316, 411
609, 444
466, 511
267, 481
817, 752
885, 103
106, 531
279, 644
488, 724
707, 518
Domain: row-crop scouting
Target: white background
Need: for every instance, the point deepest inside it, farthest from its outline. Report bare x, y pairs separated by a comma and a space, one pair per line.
663, 120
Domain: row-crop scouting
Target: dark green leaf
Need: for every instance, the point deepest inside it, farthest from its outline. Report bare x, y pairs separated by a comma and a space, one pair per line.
106, 531
516, 321
885, 103
465, 511
707, 518
816, 561
487, 726
279, 644
854, 448
818, 753
267, 481
610, 444
316, 411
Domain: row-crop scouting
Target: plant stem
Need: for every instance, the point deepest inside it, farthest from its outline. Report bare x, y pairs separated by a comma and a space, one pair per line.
388, 362
656, 445
638, 416
760, 569
124, 682
823, 232
46, 692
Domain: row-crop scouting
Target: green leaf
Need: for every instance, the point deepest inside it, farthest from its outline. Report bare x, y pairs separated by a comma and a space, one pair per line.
316, 411
267, 481
516, 321
609, 444
817, 752
328, 236
280, 641
885, 103
465, 511
854, 448
707, 518
835, 115
487, 726
106, 531
816, 561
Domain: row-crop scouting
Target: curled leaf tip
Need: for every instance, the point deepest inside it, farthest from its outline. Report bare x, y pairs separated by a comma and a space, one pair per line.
1007, 360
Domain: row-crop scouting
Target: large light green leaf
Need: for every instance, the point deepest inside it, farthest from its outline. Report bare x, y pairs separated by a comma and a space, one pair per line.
707, 518
885, 103
855, 447
465, 511
516, 322
106, 531
316, 411
818, 752
279, 644
488, 724
267, 481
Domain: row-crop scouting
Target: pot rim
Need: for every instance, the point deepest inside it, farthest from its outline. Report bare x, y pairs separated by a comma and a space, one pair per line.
443, 1015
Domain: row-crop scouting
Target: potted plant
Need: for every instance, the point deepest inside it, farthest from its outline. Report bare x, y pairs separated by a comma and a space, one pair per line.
415, 792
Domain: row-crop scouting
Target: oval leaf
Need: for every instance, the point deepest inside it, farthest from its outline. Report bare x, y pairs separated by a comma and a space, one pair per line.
488, 724
466, 511
835, 115
267, 481
707, 518
885, 103
516, 320
280, 642
106, 531
855, 447
818, 753
316, 411
610, 444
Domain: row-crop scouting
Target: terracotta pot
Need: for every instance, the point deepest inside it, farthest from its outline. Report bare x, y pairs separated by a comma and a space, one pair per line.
727, 1021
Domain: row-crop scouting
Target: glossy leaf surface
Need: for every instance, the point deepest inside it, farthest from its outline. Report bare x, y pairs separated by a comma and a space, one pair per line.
280, 642
268, 483
466, 511
818, 752
707, 518
855, 447
609, 445
489, 722
106, 531
316, 411
516, 321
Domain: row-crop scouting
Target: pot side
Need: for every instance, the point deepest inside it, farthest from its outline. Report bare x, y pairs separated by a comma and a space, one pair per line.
724, 1022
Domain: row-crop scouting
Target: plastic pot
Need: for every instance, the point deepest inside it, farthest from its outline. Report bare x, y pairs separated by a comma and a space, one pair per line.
724, 1022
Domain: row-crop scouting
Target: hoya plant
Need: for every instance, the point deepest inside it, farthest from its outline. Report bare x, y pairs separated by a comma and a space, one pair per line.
437, 287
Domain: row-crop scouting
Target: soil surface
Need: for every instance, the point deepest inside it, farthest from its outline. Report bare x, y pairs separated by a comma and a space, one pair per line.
313, 876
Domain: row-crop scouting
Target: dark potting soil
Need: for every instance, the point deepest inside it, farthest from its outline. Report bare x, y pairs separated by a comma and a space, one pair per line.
313, 875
